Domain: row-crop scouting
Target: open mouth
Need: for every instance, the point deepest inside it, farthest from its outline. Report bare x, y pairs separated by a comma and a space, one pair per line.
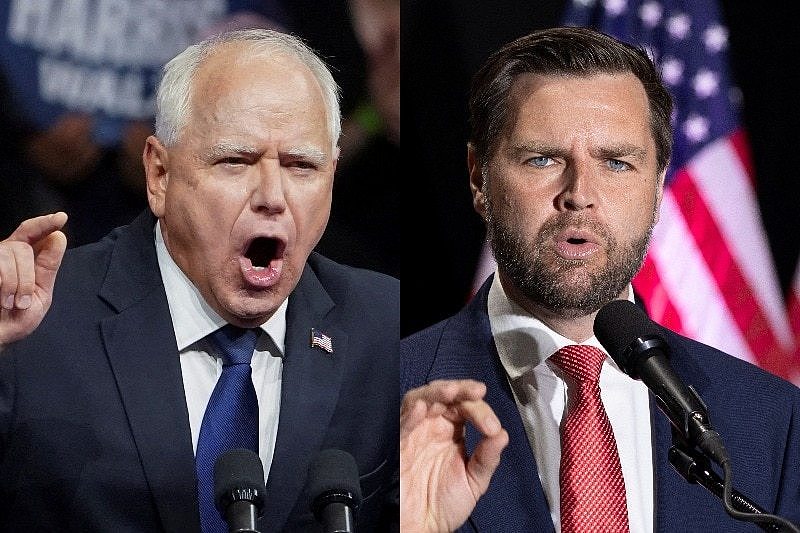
575, 245
262, 262
576, 240
262, 251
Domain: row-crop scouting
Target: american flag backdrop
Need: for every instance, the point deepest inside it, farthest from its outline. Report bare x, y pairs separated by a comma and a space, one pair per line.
708, 273
793, 305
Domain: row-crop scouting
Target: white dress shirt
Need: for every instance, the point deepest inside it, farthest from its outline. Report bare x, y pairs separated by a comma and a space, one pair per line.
524, 345
193, 320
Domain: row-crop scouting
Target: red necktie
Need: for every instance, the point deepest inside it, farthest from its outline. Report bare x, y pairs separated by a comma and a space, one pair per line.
592, 486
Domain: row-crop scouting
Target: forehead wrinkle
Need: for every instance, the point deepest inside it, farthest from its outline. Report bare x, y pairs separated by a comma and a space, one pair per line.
535, 146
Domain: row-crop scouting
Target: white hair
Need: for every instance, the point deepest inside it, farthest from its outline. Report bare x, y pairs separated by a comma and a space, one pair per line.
174, 91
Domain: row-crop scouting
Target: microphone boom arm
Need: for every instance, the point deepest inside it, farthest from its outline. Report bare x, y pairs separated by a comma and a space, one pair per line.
681, 404
694, 467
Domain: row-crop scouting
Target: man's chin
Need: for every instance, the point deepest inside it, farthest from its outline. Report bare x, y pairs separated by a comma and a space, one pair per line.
250, 309
572, 283
579, 297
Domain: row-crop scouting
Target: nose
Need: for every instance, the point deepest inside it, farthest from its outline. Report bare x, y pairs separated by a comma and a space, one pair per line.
577, 188
267, 191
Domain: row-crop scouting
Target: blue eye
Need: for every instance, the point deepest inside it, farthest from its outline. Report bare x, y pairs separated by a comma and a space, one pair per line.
617, 165
539, 161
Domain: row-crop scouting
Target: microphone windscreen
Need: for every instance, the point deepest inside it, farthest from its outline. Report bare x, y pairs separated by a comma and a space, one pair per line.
238, 471
334, 470
617, 326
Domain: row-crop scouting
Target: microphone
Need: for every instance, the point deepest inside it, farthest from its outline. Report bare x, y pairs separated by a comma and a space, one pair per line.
636, 345
239, 489
335, 491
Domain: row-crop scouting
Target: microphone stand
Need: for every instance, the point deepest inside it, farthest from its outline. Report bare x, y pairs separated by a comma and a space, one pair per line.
695, 467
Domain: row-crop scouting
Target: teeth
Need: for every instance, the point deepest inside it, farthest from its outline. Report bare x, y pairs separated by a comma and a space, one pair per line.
259, 268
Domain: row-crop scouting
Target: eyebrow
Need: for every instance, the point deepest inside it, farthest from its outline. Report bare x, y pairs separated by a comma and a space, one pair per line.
538, 148
623, 150
225, 148
308, 153
605, 152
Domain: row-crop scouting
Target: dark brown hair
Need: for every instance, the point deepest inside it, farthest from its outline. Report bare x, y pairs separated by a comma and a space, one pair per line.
563, 52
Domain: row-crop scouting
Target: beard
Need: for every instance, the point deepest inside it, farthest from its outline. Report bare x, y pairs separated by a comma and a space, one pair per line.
566, 287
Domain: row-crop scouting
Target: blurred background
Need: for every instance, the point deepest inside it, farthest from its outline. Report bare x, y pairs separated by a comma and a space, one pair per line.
77, 83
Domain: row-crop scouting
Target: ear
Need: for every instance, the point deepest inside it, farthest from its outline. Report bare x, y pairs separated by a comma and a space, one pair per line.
335, 155
476, 181
155, 158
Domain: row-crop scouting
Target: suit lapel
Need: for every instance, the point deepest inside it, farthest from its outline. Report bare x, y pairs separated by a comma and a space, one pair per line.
515, 500
675, 498
309, 393
143, 355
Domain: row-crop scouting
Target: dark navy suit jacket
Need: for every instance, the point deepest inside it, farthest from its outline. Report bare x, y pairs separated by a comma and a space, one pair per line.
757, 414
94, 428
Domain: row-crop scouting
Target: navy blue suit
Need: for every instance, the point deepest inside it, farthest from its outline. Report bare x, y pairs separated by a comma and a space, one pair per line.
757, 414
94, 428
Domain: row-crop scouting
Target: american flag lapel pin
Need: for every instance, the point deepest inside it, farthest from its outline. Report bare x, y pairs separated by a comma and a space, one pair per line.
320, 340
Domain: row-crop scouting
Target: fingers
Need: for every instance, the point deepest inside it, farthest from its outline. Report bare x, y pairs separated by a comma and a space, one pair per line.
23, 258
479, 414
35, 229
412, 412
434, 399
50, 252
448, 391
484, 461
16, 274
458, 401
30, 257
432, 421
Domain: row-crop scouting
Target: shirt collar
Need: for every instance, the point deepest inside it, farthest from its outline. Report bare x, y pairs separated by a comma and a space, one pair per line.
523, 341
192, 317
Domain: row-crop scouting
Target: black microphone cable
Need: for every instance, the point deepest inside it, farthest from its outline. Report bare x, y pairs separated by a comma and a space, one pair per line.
637, 346
764, 520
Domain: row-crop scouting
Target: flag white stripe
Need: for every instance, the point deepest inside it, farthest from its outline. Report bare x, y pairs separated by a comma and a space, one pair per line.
726, 189
691, 287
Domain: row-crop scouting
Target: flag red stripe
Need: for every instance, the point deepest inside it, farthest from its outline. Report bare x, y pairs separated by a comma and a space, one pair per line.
793, 305
647, 284
793, 310
744, 308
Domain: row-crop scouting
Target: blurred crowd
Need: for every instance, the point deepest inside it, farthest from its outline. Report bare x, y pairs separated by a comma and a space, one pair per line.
76, 103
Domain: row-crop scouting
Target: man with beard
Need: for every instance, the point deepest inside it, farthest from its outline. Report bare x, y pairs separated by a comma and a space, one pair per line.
570, 143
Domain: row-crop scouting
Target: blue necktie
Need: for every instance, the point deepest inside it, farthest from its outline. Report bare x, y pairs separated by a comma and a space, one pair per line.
231, 417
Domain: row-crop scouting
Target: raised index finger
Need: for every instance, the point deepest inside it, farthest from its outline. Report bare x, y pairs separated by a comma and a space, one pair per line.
35, 229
